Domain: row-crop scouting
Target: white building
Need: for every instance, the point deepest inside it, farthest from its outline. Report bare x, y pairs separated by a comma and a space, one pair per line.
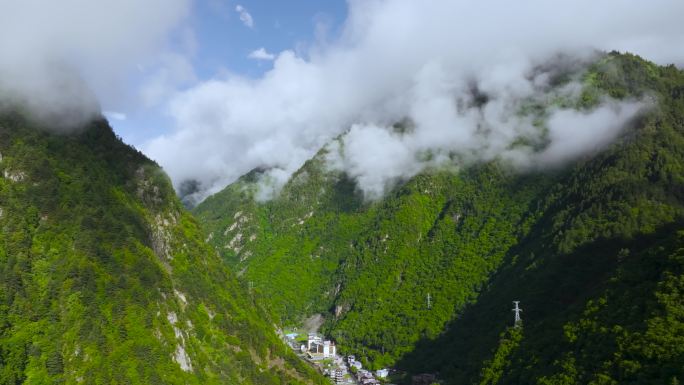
317, 347
329, 349
313, 339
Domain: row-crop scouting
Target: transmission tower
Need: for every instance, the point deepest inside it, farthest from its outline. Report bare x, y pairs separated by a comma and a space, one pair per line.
517, 311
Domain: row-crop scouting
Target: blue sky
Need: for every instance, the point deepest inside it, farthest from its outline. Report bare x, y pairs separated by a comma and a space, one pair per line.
225, 42
221, 43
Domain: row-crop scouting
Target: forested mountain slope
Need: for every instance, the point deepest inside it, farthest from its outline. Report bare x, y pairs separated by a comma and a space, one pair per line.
600, 273
592, 250
105, 278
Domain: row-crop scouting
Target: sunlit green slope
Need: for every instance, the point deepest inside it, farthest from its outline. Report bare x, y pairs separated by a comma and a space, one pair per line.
105, 278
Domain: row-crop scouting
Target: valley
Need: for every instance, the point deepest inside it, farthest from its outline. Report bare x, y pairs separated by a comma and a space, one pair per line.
474, 239
348, 192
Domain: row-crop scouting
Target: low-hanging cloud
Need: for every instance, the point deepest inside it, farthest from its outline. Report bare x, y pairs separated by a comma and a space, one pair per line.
55, 56
458, 71
379, 158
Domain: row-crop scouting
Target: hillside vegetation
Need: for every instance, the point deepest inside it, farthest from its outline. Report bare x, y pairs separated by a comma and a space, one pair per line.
593, 251
105, 278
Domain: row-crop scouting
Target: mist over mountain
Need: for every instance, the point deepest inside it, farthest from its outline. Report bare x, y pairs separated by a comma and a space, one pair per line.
393, 175
62, 60
459, 72
422, 278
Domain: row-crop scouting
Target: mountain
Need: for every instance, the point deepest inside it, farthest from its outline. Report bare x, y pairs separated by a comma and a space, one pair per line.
106, 279
593, 250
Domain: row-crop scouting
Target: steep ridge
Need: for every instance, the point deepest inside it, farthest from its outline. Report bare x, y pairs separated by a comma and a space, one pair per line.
592, 250
105, 278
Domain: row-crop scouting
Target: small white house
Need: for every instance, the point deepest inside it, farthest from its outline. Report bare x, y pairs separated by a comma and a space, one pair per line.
329, 349
382, 373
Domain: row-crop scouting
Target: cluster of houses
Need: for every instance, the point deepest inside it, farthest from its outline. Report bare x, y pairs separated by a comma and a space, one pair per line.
366, 377
323, 353
315, 348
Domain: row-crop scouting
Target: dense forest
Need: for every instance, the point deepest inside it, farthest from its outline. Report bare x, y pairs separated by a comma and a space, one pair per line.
593, 250
105, 278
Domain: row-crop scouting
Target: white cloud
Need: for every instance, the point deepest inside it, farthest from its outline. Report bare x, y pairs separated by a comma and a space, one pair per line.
171, 71
432, 63
245, 16
574, 132
261, 54
376, 168
50, 50
114, 115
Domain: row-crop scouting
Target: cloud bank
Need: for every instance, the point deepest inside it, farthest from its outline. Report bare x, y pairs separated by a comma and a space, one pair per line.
50, 50
457, 70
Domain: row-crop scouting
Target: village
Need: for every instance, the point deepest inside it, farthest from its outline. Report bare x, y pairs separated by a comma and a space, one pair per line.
323, 355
